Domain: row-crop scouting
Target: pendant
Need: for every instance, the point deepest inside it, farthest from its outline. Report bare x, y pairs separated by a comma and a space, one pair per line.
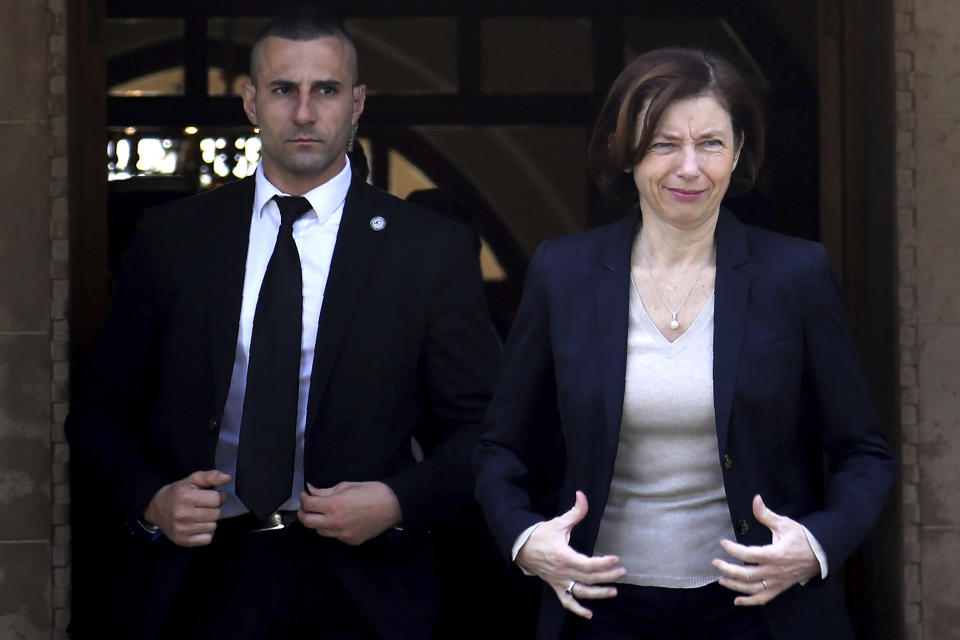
674, 323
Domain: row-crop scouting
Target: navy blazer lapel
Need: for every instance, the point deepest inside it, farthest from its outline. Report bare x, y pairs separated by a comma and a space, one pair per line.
228, 213
353, 256
612, 310
730, 315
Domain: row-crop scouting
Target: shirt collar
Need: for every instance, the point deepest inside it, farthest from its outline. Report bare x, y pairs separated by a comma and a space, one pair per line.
325, 199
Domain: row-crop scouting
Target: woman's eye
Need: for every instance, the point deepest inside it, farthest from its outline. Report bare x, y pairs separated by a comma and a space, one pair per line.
661, 146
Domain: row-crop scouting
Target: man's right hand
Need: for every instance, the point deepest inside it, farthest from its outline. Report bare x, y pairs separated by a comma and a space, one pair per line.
187, 510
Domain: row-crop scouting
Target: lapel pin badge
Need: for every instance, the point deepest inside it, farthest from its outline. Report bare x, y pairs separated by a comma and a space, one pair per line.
378, 223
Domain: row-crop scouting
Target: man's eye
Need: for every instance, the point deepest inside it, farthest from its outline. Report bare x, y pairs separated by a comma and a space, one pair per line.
282, 91
328, 91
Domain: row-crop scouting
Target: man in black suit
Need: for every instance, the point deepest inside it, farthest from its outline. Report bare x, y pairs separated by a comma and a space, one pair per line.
196, 412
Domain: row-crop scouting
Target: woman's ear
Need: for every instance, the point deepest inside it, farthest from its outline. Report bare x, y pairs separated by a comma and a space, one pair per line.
736, 154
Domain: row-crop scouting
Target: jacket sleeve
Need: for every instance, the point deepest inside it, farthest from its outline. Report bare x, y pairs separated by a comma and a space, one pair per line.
861, 467
458, 363
105, 427
515, 462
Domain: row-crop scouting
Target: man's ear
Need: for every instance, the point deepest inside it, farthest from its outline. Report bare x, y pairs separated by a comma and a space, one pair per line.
249, 94
359, 97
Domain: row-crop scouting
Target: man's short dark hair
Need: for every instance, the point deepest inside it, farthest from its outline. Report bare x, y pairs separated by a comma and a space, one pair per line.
303, 24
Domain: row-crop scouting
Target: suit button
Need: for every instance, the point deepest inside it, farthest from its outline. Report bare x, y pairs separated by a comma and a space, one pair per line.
727, 461
742, 527
213, 424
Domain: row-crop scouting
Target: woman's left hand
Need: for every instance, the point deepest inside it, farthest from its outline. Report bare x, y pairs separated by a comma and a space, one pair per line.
771, 569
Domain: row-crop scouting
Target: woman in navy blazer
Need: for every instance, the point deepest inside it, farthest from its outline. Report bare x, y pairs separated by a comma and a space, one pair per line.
597, 371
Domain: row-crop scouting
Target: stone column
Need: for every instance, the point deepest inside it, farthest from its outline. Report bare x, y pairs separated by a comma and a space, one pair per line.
26, 367
929, 183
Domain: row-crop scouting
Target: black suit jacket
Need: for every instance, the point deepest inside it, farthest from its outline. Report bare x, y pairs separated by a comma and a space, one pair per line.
787, 387
404, 349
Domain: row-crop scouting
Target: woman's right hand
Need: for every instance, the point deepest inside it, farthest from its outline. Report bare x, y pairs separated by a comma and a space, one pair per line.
547, 553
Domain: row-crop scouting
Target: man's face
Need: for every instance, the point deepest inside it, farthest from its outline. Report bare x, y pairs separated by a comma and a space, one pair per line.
305, 105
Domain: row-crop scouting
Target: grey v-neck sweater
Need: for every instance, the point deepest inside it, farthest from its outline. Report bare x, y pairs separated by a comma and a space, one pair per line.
667, 510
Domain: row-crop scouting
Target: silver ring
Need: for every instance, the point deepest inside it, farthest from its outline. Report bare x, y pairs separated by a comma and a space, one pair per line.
570, 586
763, 583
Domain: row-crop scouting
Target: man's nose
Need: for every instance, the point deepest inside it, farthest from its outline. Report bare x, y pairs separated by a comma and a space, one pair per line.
304, 112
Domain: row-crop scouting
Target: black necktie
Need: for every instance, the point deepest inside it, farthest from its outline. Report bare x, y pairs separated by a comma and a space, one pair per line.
268, 428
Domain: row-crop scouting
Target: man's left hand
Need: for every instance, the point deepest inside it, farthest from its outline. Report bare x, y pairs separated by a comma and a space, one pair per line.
771, 569
352, 512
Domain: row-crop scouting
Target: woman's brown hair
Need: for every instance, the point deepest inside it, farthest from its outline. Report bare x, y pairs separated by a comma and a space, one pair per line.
649, 85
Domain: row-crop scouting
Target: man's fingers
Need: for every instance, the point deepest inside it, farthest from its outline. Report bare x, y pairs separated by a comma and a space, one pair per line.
576, 513
209, 478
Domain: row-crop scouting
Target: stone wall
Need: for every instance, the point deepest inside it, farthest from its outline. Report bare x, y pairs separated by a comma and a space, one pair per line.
33, 253
928, 180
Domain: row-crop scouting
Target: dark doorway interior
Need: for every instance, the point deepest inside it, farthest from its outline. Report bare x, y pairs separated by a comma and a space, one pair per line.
491, 102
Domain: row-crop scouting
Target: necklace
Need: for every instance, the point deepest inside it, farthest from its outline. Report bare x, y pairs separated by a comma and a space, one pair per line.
674, 323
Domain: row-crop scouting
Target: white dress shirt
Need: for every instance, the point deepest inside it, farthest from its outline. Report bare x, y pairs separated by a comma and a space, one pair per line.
315, 235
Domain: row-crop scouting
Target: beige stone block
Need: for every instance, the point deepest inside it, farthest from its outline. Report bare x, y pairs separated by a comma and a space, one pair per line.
25, 591
24, 229
910, 395
61, 535
24, 437
938, 288
938, 164
941, 589
903, 60
911, 537
902, 22
23, 62
939, 446
937, 65
909, 493
911, 513
908, 415
904, 101
910, 434
912, 614
61, 618
908, 376
908, 454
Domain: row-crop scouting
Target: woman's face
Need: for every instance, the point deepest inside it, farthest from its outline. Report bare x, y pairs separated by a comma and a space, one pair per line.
686, 170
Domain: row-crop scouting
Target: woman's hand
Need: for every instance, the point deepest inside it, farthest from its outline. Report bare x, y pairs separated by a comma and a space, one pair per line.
772, 568
548, 554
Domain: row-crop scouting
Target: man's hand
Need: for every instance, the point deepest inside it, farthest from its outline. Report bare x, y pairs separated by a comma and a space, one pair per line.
548, 554
772, 568
187, 510
351, 512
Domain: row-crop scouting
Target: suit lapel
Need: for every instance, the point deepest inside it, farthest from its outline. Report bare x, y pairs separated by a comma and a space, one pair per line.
353, 257
730, 314
611, 308
227, 215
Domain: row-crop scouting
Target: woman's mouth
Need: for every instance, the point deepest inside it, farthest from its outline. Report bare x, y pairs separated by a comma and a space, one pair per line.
686, 195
